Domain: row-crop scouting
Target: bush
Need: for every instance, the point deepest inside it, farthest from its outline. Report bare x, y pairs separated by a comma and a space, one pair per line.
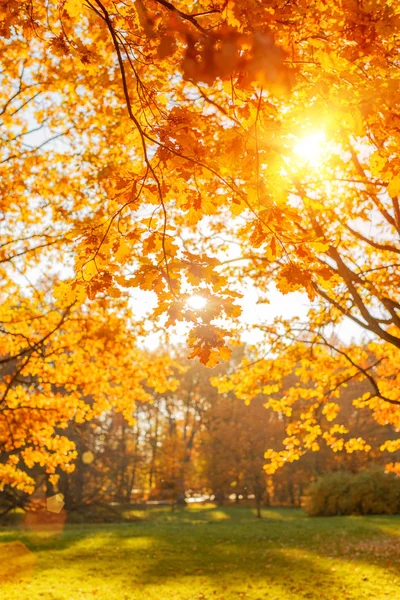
100, 513
11, 518
371, 492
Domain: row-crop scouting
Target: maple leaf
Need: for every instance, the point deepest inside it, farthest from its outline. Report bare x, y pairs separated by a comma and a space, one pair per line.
393, 188
73, 7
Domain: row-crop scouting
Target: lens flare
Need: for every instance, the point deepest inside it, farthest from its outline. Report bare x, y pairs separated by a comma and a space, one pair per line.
196, 302
311, 148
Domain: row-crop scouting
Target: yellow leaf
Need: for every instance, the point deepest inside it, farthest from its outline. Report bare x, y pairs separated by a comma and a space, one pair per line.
225, 353
124, 250
89, 270
393, 188
73, 7
64, 294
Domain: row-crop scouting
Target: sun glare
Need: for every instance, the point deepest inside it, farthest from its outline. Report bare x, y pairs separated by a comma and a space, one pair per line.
196, 302
311, 147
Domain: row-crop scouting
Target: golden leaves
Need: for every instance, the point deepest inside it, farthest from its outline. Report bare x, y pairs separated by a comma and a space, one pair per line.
232, 14
330, 410
293, 277
393, 188
377, 164
123, 252
67, 293
357, 444
390, 446
73, 7
208, 344
164, 160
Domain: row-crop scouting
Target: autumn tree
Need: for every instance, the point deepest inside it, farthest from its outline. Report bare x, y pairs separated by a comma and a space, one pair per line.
233, 447
178, 428
112, 463
61, 366
191, 147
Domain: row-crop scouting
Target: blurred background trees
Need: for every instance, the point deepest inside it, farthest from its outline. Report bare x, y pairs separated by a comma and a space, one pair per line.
195, 443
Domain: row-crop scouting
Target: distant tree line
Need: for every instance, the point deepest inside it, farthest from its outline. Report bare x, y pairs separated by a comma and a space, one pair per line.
195, 442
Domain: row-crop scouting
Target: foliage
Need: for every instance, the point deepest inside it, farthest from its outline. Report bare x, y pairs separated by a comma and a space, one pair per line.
189, 441
197, 148
67, 366
233, 448
369, 492
212, 552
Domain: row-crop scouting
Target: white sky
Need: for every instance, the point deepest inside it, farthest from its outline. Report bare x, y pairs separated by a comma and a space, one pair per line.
294, 304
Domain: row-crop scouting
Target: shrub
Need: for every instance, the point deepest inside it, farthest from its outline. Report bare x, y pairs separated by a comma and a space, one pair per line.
100, 513
369, 492
11, 518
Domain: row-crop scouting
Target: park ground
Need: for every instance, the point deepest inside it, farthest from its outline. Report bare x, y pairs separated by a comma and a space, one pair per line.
206, 553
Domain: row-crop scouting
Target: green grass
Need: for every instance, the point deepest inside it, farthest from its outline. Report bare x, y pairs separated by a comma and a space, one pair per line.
205, 553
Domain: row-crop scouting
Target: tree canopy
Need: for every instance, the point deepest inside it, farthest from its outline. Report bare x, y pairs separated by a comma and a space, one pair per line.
192, 149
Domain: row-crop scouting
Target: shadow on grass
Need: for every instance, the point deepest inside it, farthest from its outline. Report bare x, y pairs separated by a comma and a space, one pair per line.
200, 513
220, 548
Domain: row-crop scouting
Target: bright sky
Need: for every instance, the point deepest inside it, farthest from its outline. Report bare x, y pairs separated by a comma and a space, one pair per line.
310, 151
294, 304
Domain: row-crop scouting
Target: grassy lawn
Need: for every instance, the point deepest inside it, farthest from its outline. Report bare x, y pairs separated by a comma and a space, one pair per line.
206, 553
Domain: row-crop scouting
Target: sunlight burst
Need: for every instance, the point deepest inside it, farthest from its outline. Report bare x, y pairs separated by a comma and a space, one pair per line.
311, 147
196, 302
